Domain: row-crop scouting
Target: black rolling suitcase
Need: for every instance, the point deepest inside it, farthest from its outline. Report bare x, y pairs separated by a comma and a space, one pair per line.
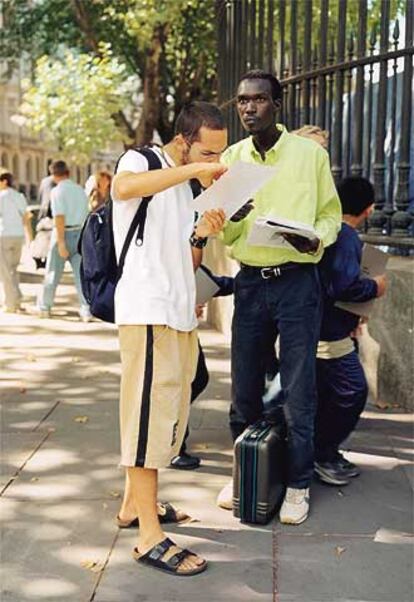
259, 473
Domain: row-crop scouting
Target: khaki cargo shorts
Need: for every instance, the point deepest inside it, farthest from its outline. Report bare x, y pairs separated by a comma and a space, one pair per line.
158, 366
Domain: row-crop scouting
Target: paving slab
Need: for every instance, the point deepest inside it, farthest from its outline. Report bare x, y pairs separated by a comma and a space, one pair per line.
47, 549
25, 415
72, 464
15, 450
240, 568
60, 431
328, 568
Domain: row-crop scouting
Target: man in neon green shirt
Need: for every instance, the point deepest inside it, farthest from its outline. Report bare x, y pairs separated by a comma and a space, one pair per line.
277, 291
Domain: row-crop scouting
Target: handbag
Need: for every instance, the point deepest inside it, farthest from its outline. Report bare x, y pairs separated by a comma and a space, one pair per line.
39, 247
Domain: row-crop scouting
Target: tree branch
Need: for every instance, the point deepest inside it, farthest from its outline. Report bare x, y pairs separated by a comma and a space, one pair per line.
124, 125
83, 19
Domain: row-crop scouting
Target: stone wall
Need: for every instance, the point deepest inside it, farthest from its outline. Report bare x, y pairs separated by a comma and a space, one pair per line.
387, 350
387, 343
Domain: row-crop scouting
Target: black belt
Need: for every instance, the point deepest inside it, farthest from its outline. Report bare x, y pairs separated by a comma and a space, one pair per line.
272, 271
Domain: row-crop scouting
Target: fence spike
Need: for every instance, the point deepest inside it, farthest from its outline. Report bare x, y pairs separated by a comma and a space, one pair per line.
331, 57
396, 33
351, 45
315, 57
373, 38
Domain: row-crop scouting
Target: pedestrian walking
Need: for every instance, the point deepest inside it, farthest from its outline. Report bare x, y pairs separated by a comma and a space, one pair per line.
155, 314
69, 205
14, 224
277, 290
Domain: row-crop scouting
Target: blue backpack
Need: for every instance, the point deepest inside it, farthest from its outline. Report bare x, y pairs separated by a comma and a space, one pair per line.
99, 271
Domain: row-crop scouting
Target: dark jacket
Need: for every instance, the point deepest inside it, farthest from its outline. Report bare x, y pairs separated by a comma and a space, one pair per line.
341, 281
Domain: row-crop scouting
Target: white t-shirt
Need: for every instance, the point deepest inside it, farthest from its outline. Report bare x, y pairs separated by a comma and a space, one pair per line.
13, 206
157, 284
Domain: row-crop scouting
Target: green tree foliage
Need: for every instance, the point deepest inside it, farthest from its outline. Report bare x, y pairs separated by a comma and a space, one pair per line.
169, 46
72, 100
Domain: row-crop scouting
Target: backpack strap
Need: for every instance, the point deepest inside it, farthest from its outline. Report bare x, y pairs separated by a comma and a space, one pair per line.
140, 216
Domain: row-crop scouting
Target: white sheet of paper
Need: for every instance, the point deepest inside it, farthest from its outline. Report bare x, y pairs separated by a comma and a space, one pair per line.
239, 184
206, 288
373, 261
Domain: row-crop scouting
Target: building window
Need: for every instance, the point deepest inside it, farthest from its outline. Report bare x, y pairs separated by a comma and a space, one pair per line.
38, 169
15, 169
29, 170
5, 160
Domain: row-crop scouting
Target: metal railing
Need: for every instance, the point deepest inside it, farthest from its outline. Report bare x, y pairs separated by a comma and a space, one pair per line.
342, 74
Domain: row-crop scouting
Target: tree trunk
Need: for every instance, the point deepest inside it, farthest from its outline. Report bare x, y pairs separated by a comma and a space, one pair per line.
83, 19
151, 106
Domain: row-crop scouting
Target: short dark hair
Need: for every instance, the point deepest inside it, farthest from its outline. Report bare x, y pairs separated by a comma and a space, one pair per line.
6, 175
356, 195
197, 114
272, 79
59, 168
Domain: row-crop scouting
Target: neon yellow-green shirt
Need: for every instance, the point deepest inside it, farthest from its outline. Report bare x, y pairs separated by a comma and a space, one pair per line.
302, 189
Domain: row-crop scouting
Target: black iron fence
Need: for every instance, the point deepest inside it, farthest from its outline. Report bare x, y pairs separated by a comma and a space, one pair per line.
346, 66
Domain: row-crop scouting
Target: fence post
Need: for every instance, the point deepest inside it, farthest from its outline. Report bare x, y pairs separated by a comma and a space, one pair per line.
337, 167
358, 129
378, 220
401, 220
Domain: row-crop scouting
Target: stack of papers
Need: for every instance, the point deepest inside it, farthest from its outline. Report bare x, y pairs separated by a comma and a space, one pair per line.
267, 232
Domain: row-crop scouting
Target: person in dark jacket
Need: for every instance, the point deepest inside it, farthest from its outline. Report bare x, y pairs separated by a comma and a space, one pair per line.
184, 460
341, 383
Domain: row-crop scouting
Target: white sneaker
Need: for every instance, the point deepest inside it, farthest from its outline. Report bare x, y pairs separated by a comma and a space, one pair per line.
44, 313
85, 314
225, 497
295, 507
85, 318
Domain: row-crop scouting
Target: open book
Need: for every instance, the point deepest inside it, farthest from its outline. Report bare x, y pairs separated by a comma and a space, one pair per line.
267, 231
373, 263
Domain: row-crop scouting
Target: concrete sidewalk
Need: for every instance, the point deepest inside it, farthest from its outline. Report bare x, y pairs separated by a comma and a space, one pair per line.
60, 488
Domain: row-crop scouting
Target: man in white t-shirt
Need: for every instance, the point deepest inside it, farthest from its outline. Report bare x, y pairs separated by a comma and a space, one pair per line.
14, 223
155, 314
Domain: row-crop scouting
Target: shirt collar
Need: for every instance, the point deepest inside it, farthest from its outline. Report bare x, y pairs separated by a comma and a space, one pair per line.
275, 148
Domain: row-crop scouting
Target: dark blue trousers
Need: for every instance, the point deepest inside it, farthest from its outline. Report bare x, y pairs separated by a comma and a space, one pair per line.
342, 394
198, 385
288, 306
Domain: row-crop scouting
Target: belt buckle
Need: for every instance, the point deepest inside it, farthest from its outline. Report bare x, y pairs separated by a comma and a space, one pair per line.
267, 273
